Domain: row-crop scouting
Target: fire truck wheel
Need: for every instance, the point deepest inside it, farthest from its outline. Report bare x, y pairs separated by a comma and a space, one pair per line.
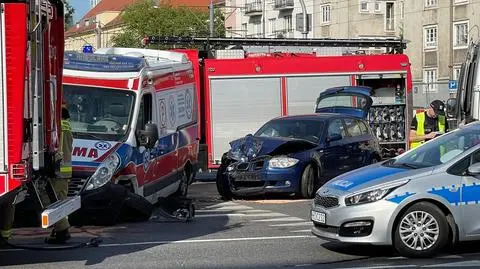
136, 208
307, 184
223, 187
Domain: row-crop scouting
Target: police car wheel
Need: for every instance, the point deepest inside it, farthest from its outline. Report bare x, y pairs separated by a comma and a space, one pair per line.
421, 231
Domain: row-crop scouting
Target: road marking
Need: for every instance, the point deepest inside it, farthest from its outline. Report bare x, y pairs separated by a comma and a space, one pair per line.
292, 224
207, 240
279, 219
227, 208
254, 211
241, 215
451, 257
382, 267
473, 263
302, 231
277, 201
222, 205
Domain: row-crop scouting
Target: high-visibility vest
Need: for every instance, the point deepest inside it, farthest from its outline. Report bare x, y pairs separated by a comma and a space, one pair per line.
6, 233
421, 128
66, 141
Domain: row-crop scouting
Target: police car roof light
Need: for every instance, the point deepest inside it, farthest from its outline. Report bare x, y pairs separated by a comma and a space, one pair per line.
102, 63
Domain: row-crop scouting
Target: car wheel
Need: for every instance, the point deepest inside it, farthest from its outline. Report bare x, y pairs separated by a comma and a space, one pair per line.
223, 186
307, 185
422, 231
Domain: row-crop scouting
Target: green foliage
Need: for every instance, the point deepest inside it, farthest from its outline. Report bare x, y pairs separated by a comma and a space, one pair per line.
145, 19
68, 11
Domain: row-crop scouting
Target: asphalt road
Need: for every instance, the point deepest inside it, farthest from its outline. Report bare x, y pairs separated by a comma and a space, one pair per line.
271, 232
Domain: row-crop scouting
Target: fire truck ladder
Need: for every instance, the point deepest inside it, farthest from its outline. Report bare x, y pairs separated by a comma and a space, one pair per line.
396, 45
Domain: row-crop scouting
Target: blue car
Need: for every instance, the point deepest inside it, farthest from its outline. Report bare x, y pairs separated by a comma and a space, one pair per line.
298, 154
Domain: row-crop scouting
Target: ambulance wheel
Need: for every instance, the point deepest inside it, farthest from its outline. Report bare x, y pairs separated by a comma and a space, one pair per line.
308, 182
136, 208
421, 231
223, 186
183, 187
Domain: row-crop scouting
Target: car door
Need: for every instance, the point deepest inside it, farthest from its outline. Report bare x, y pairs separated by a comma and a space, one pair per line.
354, 144
335, 156
470, 195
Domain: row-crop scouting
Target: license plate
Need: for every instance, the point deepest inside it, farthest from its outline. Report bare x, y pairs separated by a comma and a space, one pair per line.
318, 217
247, 177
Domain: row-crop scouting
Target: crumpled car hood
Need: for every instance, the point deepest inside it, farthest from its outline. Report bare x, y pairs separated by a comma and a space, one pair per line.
249, 147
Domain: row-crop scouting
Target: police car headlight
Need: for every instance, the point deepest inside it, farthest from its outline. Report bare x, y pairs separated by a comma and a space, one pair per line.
104, 173
373, 195
282, 162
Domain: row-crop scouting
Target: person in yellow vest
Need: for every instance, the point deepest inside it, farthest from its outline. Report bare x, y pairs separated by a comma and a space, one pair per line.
428, 124
60, 234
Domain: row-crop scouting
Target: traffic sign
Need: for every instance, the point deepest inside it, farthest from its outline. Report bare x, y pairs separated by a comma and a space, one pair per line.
452, 84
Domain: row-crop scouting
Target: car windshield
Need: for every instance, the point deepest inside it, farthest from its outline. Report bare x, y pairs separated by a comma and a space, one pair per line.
98, 113
440, 150
340, 100
298, 129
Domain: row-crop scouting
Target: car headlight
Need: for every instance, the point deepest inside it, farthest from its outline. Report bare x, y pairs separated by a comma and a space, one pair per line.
373, 195
104, 173
282, 162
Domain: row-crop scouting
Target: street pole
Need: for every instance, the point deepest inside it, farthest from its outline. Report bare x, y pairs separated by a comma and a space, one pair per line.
212, 18
264, 12
304, 13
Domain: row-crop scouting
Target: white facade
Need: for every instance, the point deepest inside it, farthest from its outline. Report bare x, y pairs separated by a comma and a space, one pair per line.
94, 3
270, 18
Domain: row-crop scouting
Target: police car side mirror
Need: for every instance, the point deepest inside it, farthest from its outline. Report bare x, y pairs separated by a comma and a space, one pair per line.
474, 169
149, 135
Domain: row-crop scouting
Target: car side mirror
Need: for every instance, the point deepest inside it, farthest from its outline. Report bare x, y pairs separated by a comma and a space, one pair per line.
334, 137
451, 107
149, 136
474, 169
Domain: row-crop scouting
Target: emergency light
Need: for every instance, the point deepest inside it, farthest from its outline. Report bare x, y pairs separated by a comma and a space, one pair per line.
102, 62
87, 49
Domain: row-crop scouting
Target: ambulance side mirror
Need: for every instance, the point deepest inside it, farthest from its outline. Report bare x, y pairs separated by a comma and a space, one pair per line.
149, 135
451, 106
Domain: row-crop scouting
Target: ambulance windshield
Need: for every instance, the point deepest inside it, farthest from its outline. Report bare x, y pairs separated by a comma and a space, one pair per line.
98, 113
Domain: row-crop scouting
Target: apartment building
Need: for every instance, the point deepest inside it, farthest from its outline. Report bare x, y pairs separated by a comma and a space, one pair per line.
439, 32
326, 18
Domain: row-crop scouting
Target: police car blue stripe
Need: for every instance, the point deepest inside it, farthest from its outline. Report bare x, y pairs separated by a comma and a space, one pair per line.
363, 176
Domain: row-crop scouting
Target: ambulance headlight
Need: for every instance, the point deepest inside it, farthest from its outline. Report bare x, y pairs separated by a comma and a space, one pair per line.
104, 173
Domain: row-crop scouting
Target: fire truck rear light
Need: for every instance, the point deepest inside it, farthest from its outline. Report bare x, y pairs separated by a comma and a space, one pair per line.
17, 171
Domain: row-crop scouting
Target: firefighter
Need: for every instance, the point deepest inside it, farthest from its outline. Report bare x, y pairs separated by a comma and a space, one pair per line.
428, 124
7, 213
60, 233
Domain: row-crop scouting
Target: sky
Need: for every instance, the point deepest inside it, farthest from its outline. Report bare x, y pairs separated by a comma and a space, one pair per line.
81, 7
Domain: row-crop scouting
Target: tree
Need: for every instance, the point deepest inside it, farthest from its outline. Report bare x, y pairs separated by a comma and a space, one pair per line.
145, 18
68, 11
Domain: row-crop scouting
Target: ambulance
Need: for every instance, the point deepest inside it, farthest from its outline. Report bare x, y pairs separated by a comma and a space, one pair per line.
134, 118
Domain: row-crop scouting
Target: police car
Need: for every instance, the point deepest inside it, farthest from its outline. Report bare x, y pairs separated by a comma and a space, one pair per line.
418, 202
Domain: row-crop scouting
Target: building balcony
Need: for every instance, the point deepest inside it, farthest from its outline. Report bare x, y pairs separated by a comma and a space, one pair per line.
283, 33
254, 8
283, 4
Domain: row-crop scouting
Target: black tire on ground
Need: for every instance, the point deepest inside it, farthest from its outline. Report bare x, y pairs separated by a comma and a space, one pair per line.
308, 182
223, 187
183, 188
136, 208
439, 231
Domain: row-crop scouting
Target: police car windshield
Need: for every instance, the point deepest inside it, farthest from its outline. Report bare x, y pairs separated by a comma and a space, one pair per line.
292, 128
440, 150
98, 113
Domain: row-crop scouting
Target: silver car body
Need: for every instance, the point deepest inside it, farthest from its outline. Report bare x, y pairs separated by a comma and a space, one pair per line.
456, 195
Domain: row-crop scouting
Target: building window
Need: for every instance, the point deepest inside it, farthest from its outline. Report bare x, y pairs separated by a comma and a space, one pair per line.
271, 23
363, 6
431, 3
244, 29
460, 2
377, 6
287, 23
326, 13
430, 80
430, 37
389, 17
460, 34
456, 72
402, 10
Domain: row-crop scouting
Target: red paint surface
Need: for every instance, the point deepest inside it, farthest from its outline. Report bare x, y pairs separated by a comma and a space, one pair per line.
15, 49
121, 84
284, 96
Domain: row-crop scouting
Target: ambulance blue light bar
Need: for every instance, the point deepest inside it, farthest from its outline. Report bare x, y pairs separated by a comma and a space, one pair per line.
102, 62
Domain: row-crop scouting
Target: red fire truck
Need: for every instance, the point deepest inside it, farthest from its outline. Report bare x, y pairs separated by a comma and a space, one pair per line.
31, 60
241, 91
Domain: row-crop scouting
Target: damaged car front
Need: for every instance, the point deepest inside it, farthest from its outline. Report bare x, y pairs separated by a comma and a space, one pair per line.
271, 161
